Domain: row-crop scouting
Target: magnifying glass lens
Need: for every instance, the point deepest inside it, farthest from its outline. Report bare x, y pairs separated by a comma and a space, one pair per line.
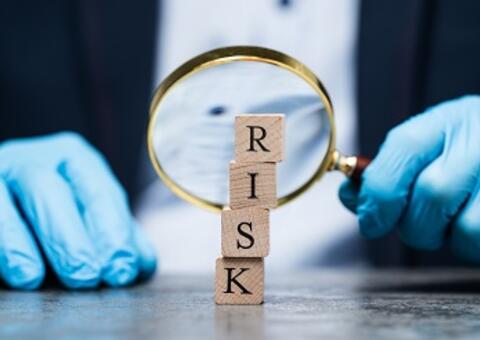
193, 133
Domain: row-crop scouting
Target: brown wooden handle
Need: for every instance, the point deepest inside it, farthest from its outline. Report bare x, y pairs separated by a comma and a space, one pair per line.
362, 163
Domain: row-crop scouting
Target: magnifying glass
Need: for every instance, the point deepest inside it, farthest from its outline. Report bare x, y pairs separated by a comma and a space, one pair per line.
190, 134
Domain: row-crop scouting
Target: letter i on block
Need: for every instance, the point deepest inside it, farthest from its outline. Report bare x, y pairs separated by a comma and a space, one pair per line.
253, 185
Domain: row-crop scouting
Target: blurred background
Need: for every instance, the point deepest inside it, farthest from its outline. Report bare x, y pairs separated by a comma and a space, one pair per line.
92, 66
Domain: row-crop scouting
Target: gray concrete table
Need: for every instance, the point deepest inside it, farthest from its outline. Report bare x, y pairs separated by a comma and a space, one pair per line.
440, 304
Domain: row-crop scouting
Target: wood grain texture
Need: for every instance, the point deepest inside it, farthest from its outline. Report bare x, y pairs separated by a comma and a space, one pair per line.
264, 192
245, 232
239, 281
259, 138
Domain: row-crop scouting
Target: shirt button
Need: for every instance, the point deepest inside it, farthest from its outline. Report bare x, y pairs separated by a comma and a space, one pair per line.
285, 3
217, 110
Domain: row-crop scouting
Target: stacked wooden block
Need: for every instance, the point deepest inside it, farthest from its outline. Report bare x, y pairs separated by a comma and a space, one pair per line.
259, 145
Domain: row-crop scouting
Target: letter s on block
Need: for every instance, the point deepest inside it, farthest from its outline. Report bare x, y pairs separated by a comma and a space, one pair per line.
246, 235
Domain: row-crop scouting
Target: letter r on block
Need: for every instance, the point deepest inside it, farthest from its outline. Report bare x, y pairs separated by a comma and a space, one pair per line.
259, 138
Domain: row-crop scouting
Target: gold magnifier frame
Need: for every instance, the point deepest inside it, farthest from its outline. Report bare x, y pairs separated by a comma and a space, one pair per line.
333, 159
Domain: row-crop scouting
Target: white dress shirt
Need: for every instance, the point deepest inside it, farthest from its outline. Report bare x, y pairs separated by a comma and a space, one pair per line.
321, 34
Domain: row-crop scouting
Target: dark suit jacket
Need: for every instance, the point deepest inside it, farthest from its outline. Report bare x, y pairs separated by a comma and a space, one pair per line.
86, 65
79, 65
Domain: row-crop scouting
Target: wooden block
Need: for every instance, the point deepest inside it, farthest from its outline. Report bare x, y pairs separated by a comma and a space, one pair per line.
259, 138
239, 281
253, 185
245, 232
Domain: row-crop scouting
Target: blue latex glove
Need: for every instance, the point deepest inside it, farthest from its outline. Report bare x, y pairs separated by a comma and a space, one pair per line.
73, 209
425, 181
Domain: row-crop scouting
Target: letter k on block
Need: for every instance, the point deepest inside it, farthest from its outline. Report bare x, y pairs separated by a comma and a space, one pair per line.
239, 281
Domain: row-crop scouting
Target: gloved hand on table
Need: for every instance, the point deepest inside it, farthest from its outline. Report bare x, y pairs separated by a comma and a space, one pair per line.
58, 195
425, 181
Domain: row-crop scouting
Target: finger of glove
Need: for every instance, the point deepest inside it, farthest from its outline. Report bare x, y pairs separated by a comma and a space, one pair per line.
348, 194
387, 181
440, 190
21, 265
107, 217
50, 207
465, 237
147, 256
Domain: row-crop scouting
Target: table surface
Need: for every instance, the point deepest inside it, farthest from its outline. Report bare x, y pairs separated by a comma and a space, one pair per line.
331, 304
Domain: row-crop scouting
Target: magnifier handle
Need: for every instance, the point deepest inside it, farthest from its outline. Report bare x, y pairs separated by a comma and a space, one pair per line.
351, 166
361, 164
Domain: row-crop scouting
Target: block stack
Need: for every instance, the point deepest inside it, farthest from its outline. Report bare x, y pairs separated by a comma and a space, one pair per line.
259, 145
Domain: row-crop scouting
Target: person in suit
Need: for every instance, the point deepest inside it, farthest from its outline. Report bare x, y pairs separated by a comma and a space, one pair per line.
87, 67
